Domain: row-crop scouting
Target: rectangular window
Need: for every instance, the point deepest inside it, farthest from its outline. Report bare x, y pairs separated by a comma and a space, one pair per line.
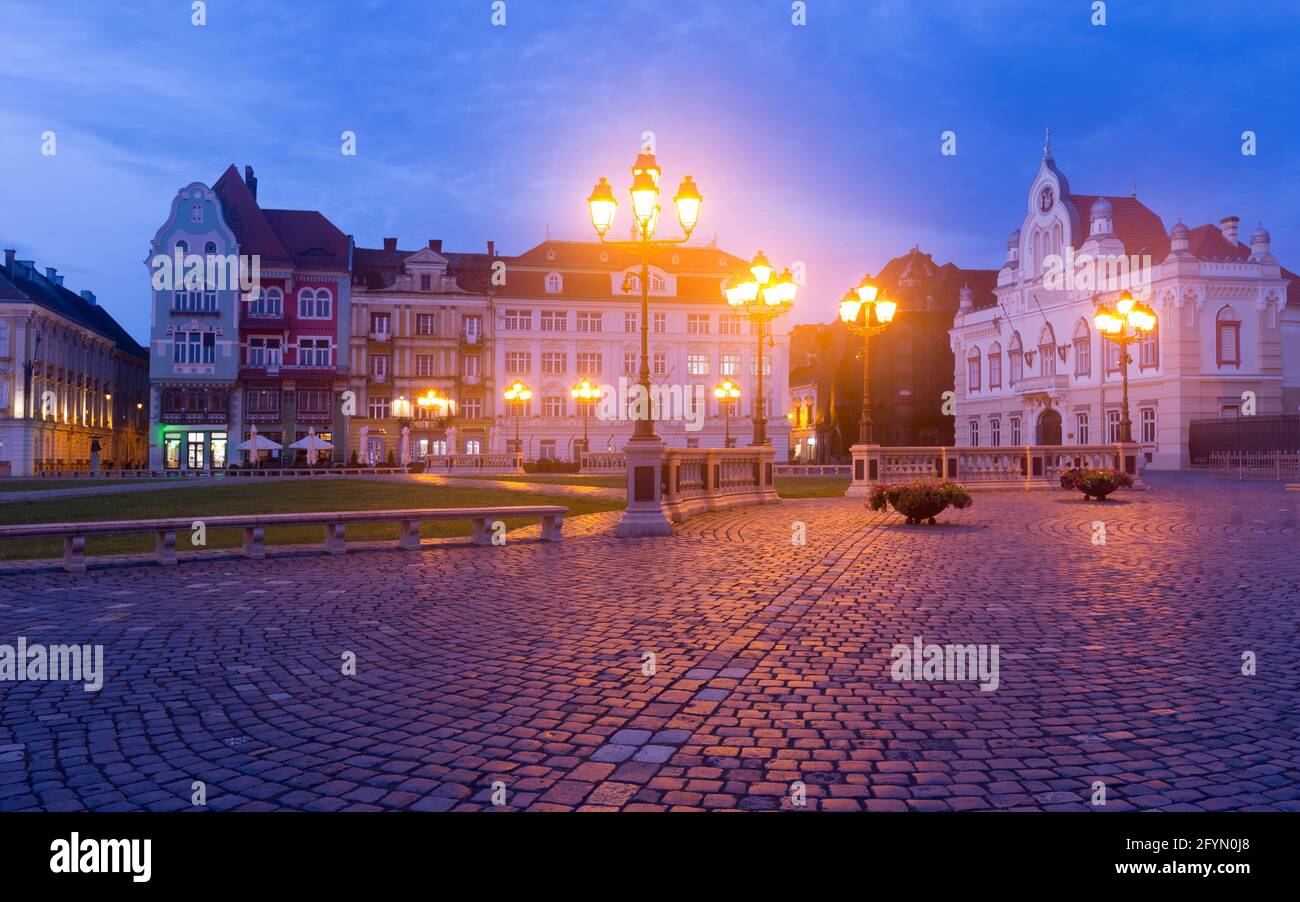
519, 320
553, 406
767, 365
1017, 368
629, 322
728, 324
1112, 357
546, 449
316, 352
554, 363
262, 400
995, 432
1229, 344
589, 363
660, 365
469, 366
974, 433
697, 364
473, 329
424, 365
660, 322
995, 372
973, 372
313, 400
209, 347
425, 323
381, 325
471, 408
426, 282
1112, 425
1047, 360
1148, 418
519, 363
729, 365
1082, 357
697, 324
1081, 429
1149, 350
555, 321
631, 363
1015, 430
589, 321
378, 408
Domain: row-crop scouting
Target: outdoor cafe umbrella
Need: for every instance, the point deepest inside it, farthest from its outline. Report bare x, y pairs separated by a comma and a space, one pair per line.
314, 445
256, 444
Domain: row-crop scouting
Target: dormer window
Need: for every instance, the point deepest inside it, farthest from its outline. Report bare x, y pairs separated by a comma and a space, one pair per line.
426, 282
554, 283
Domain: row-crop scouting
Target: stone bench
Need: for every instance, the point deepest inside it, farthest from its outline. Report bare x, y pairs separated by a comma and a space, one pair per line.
254, 527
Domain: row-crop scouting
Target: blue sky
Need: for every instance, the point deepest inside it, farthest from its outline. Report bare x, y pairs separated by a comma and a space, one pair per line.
817, 143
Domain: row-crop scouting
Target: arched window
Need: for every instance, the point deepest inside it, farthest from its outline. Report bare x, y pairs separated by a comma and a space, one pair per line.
274, 302
210, 247
183, 247
554, 283
1082, 349
973, 370
315, 304
1228, 338
1016, 359
1056, 239
995, 367
1047, 351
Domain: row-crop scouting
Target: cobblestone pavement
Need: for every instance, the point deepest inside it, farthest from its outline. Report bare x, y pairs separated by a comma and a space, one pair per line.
522, 666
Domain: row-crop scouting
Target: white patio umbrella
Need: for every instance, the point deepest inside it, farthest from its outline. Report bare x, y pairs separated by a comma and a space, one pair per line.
255, 444
314, 445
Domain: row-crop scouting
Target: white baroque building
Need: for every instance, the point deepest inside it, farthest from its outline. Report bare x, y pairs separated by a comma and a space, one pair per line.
1032, 369
570, 310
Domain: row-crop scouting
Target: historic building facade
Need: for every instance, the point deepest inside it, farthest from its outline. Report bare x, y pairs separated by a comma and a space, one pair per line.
294, 327
421, 321
254, 340
570, 310
1030, 367
73, 383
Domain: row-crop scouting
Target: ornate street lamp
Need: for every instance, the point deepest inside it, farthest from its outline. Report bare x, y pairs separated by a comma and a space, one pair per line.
645, 211
762, 296
518, 394
862, 302
585, 394
727, 392
1128, 322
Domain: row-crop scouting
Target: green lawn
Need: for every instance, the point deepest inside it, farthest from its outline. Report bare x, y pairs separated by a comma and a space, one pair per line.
786, 486
40, 485
269, 497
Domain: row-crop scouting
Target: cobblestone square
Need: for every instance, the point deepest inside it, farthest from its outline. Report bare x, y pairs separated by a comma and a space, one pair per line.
716, 669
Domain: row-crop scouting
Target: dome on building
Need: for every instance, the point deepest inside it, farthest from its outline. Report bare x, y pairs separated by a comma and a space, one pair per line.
1014, 240
1180, 230
1260, 234
1101, 209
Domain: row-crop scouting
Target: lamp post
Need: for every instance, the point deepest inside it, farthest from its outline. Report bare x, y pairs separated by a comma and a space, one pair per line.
517, 394
1128, 322
763, 296
645, 210
862, 302
437, 408
585, 394
727, 392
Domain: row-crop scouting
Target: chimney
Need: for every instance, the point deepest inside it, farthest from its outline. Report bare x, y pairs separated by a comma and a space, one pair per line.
88, 296
390, 245
492, 248
435, 245
251, 181
58, 280
9, 261
1228, 225
50, 273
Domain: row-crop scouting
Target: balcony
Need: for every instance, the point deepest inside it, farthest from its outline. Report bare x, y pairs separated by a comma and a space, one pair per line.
380, 336
1032, 384
379, 378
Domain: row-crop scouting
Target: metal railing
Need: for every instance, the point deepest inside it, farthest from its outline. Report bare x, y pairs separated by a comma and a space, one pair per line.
1276, 466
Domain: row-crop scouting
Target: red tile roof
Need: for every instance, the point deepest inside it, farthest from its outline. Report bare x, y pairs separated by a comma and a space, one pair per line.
1136, 225
304, 239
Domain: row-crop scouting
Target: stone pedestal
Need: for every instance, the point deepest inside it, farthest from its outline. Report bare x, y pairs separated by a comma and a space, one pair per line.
645, 514
866, 470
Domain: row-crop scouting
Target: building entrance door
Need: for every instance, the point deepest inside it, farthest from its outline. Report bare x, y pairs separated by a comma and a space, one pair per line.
1049, 427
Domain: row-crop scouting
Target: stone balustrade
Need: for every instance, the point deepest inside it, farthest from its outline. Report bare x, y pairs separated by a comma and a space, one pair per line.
603, 462
474, 463
710, 479
1027, 466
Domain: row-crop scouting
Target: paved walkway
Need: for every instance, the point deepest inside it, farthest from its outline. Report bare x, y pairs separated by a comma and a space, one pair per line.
523, 669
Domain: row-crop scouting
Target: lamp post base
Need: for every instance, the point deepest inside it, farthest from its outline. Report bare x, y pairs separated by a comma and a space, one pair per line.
645, 514
866, 470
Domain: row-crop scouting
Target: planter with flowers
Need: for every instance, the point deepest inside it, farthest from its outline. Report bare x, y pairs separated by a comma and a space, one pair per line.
1095, 482
924, 499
